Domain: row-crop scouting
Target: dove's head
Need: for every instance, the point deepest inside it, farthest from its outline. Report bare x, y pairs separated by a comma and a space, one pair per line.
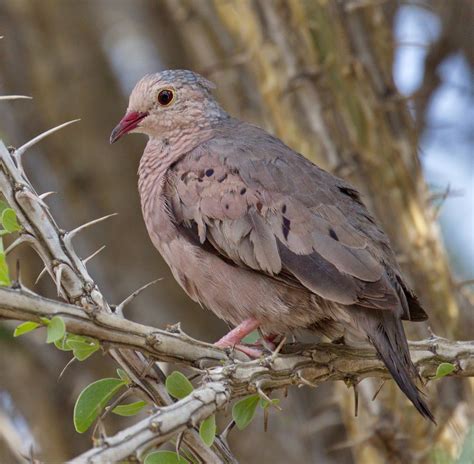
167, 103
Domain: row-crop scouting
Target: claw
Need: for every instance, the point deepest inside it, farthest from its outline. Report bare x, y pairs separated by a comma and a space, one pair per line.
119, 308
18, 153
85, 260
70, 235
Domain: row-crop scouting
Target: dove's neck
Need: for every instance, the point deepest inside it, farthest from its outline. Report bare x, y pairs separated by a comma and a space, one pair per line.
159, 155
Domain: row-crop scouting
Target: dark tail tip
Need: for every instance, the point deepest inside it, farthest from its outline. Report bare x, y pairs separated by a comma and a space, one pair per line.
398, 362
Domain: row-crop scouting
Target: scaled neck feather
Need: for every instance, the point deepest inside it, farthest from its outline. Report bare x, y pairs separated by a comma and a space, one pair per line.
159, 155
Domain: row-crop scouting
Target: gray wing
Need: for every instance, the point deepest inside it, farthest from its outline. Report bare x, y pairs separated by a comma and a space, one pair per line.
262, 206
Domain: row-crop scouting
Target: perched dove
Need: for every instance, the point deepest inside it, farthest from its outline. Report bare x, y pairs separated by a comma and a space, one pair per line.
260, 235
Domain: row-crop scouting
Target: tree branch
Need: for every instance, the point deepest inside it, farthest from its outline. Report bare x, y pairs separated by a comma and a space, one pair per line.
75, 285
297, 364
131, 343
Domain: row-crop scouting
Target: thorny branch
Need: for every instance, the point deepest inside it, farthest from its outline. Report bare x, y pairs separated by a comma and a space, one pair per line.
75, 285
299, 365
225, 375
296, 364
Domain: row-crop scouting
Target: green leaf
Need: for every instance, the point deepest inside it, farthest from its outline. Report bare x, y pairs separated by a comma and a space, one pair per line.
82, 349
251, 338
62, 344
129, 409
92, 400
244, 410
124, 376
24, 328
4, 273
56, 329
207, 430
178, 385
82, 346
265, 403
444, 369
9, 220
165, 457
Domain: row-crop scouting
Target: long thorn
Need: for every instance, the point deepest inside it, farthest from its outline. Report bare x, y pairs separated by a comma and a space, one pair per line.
264, 396
58, 273
21, 239
278, 349
40, 275
45, 195
17, 154
379, 388
74, 232
33, 197
15, 97
93, 254
119, 308
356, 400
305, 381
65, 368
226, 431
179, 441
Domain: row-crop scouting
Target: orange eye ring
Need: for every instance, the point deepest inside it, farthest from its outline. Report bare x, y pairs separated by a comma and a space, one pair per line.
165, 97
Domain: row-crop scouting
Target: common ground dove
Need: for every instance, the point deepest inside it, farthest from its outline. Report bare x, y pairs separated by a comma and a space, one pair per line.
257, 233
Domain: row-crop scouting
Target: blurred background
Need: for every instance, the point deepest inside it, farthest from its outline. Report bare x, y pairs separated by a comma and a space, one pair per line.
379, 92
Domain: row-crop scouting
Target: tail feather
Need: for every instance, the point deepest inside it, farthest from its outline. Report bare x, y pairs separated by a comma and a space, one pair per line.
386, 333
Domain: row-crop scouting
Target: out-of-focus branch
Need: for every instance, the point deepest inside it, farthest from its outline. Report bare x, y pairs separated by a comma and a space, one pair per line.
76, 286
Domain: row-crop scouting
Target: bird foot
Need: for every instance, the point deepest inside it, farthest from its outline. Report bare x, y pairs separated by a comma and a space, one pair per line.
234, 337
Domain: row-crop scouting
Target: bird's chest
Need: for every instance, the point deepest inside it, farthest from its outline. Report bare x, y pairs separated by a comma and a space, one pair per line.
180, 255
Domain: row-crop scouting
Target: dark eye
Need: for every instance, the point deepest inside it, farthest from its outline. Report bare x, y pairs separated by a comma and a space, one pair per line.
165, 97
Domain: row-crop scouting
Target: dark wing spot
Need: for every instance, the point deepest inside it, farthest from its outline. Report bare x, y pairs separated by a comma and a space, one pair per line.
222, 178
283, 209
350, 192
333, 234
259, 206
209, 172
226, 206
243, 190
286, 227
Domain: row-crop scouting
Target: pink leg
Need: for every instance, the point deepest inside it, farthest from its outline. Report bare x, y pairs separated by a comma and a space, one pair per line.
235, 335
